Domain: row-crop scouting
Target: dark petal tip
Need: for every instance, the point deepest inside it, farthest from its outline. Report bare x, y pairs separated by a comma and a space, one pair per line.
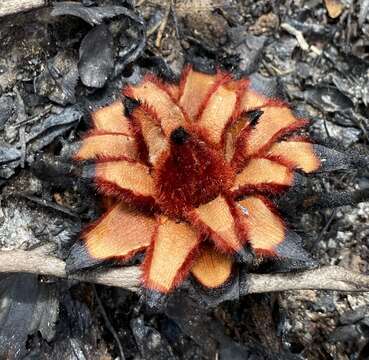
179, 136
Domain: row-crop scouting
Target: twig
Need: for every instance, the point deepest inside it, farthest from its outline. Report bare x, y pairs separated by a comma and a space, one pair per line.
325, 278
139, 3
162, 26
297, 34
109, 325
8, 7
48, 204
38, 262
22, 116
326, 226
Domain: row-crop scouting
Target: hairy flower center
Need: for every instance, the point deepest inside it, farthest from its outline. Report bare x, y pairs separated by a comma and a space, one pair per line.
191, 174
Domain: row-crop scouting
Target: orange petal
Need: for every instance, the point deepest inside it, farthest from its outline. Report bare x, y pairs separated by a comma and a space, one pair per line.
334, 7
212, 268
232, 134
111, 119
170, 255
151, 132
121, 233
265, 229
173, 90
274, 122
252, 100
261, 173
195, 89
218, 113
295, 154
216, 219
107, 146
125, 179
160, 101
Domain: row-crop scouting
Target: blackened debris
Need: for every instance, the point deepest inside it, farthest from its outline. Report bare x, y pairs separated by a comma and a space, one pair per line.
46, 130
96, 59
8, 153
131, 46
59, 79
151, 344
9, 160
160, 67
28, 306
327, 99
7, 107
94, 15
76, 336
250, 49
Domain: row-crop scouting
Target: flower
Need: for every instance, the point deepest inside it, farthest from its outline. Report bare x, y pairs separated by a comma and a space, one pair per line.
191, 167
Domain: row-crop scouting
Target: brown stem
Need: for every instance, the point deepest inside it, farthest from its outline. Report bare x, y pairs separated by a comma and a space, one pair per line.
325, 278
39, 262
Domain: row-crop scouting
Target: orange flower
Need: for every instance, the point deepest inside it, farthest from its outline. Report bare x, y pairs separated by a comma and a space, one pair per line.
191, 166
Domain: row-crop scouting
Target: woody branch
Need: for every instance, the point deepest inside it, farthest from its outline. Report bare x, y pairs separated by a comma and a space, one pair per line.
39, 261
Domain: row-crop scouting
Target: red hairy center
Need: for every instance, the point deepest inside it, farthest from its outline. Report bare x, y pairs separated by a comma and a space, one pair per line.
191, 174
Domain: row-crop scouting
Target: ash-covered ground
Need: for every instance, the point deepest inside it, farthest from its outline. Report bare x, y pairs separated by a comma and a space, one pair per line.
54, 70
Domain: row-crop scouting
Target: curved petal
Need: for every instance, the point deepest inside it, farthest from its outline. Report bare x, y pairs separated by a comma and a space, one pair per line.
270, 238
219, 220
155, 96
275, 121
262, 174
119, 234
111, 119
195, 88
218, 113
129, 181
296, 155
232, 136
152, 134
173, 91
116, 145
170, 256
252, 100
212, 268
265, 229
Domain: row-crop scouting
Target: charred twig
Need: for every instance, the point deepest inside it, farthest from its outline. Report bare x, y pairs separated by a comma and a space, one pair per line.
22, 131
8, 7
49, 204
109, 324
325, 278
297, 34
162, 26
326, 226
